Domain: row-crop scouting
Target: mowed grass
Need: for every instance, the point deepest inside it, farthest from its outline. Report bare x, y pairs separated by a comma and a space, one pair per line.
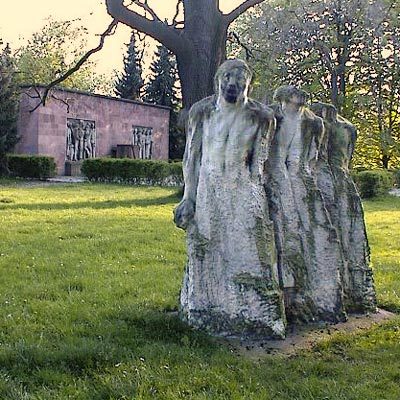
90, 278
383, 225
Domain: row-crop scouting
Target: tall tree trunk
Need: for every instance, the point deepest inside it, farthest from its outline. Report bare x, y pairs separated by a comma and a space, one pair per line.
199, 46
385, 161
206, 31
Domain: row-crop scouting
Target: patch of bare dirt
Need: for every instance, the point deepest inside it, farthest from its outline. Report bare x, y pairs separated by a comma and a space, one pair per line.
305, 337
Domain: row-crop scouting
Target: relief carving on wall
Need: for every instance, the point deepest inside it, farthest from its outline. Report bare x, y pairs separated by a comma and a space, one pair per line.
142, 138
81, 139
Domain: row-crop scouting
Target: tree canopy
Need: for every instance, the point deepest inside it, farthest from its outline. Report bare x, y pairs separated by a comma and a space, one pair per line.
344, 52
52, 51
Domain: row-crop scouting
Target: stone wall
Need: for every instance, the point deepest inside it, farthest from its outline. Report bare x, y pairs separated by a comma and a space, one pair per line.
44, 131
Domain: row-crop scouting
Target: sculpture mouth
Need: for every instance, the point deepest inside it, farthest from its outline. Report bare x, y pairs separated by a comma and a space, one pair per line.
231, 96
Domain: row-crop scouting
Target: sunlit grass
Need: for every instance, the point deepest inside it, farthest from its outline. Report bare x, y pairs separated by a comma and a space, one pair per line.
90, 278
383, 224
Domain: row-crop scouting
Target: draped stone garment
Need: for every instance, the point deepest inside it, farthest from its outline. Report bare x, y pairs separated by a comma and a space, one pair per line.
309, 253
231, 285
345, 208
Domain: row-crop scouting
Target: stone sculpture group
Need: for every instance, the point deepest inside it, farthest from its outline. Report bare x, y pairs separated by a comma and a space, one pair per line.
274, 224
81, 139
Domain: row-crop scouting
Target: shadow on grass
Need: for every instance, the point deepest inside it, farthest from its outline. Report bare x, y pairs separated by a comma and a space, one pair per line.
154, 336
107, 204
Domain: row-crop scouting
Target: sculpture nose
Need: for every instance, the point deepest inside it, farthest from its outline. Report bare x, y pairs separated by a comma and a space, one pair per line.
231, 87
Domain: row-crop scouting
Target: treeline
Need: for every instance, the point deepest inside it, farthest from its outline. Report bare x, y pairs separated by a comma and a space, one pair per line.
344, 52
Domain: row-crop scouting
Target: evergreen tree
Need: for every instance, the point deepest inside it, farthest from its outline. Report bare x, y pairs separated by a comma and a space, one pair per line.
130, 83
9, 101
162, 90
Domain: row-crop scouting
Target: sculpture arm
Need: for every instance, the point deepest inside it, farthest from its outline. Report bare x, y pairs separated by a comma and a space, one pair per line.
185, 210
263, 141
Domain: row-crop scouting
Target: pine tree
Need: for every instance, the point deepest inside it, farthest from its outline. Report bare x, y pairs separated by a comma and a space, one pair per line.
161, 87
9, 102
130, 83
162, 90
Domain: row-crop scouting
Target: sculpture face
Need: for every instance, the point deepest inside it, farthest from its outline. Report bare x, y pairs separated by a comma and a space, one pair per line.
232, 81
233, 84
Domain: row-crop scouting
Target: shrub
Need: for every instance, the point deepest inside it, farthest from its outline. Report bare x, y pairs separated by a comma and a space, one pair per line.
373, 183
127, 170
31, 166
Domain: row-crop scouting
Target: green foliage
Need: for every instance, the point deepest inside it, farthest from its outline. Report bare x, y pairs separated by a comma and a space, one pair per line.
90, 275
31, 166
373, 183
54, 50
129, 84
343, 52
9, 103
148, 172
162, 90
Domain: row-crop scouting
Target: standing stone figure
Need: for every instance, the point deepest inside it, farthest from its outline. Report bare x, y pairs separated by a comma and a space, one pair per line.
309, 252
231, 284
345, 208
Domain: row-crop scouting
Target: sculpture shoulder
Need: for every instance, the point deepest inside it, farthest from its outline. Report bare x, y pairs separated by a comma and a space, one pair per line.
260, 110
202, 108
312, 119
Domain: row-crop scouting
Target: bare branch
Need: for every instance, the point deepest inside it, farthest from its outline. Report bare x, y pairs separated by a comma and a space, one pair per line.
53, 96
143, 4
37, 96
109, 31
174, 20
154, 28
239, 10
234, 37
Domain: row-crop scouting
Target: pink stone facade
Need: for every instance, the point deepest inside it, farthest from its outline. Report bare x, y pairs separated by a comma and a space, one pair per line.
44, 131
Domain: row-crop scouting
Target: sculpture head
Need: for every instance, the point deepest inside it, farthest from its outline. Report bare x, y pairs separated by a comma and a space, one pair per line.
232, 81
291, 94
328, 112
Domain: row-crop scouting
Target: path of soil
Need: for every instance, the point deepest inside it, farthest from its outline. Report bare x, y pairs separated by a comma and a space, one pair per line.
306, 337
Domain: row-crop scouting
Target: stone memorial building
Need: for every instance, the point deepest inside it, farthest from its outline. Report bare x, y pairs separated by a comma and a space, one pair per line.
75, 125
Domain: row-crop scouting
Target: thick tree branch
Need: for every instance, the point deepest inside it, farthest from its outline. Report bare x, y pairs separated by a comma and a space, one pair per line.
240, 10
83, 59
154, 28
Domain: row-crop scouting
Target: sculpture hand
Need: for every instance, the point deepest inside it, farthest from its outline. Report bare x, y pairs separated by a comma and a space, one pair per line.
184, 213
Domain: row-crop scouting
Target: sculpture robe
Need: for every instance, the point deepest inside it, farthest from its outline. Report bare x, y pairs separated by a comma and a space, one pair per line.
231, 285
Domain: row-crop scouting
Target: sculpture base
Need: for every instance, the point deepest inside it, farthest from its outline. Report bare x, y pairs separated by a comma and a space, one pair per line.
221, 324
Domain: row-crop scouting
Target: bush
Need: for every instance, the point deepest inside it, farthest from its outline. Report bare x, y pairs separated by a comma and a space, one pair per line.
127, 170
31, 166
373, 183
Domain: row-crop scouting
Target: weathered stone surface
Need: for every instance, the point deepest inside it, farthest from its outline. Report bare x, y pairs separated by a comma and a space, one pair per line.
275, 227
345, 209
309, 253
231, 284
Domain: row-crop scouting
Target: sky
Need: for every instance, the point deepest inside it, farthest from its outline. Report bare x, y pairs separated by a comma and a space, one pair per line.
19, 19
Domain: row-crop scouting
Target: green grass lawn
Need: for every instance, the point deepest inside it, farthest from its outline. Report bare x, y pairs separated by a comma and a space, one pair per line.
90, 276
